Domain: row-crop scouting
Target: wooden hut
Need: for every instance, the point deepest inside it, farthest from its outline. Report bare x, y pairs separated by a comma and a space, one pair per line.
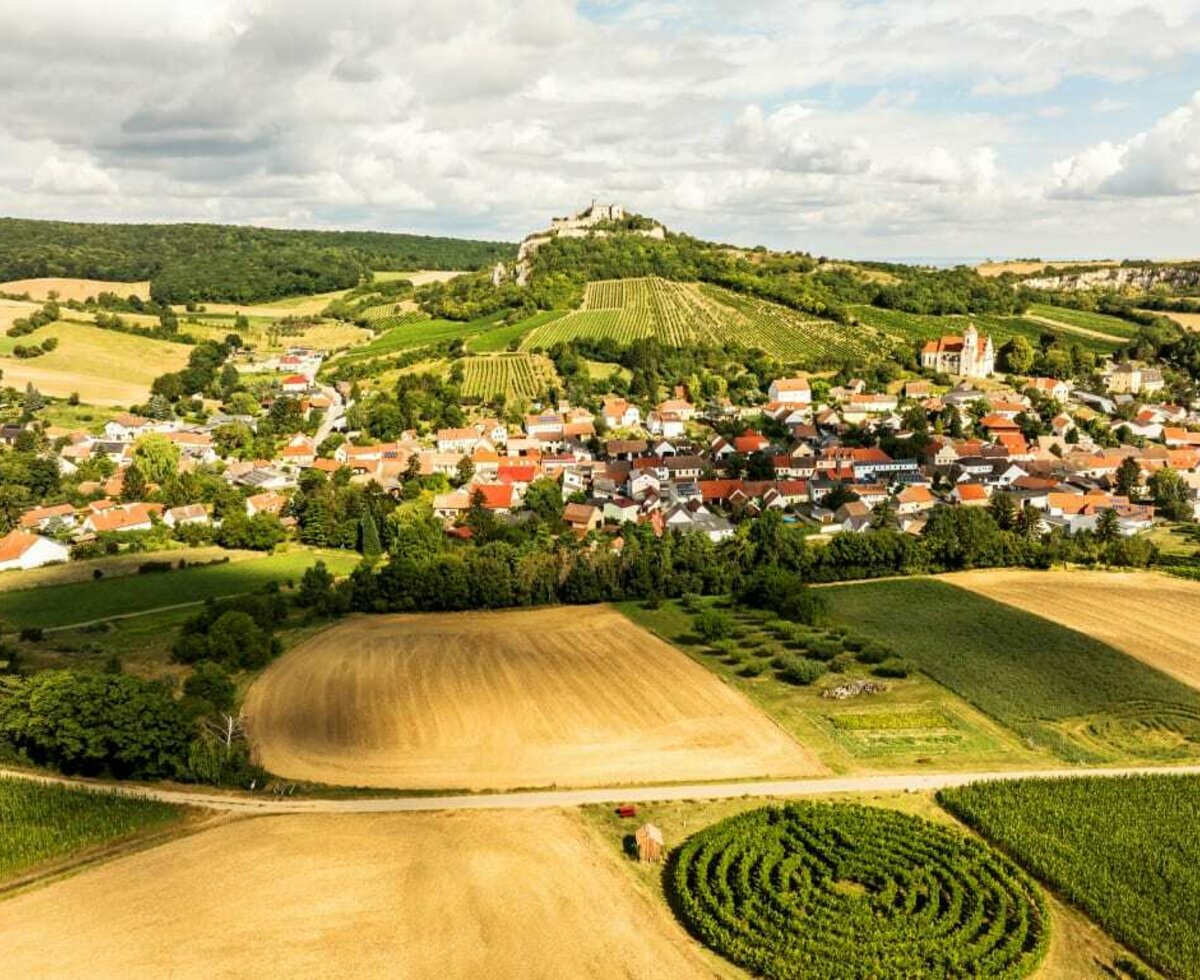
649, 841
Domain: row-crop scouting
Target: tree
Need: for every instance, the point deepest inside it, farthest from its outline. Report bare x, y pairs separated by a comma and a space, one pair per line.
1129, 477
210, 682
1171, 495
133, 484
544, 498
157, 457
369, 543
1018, 356
1108, 526
1003, 510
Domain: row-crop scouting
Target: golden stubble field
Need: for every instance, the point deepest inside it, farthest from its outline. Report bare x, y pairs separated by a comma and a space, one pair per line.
77, 289
533, 698
528, 894
1153, 617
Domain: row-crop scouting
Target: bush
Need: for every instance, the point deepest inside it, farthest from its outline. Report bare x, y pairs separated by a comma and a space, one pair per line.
825, 649
841, 663
32, 634
802, 671
211, 683
874, 653
153, 567
753, 668
712, 624
893, 667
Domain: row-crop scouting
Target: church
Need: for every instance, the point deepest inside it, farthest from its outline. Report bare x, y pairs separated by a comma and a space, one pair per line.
967, 356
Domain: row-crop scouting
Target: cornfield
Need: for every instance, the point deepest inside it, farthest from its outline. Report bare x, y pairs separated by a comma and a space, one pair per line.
41, 821
819, 891
1126, 850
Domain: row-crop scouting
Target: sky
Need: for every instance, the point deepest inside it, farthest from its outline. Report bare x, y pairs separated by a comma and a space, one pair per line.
852, 128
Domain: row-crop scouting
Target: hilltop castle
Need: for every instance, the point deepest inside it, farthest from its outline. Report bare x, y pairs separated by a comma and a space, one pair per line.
583, 224
590, 216
965, 356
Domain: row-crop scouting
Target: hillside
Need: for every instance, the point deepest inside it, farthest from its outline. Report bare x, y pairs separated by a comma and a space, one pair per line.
197, 262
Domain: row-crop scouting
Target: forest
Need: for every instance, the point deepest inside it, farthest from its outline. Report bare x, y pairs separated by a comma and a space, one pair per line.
188, 263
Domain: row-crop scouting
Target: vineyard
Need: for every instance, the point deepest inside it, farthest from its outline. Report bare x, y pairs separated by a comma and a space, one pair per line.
1100, 322
823, 891
1125, 850
40, 822
389, 316
518, 377
909, 327
683, 314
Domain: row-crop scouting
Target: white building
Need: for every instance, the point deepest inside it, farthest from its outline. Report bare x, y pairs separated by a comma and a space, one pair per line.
790, 391
967, 356
22, 550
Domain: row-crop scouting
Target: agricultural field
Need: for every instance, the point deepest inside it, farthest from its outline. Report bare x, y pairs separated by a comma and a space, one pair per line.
1124, 850
265, 336
1099, 324
41, 823
1061, 690
426, 702
1189, 321
903, 724
416, 333
55, 606
39, 290
380, 895
835, 890
103, 366
1150, 616
499, 338
12, 310
113, 566
910, 327
518, 377
679, 314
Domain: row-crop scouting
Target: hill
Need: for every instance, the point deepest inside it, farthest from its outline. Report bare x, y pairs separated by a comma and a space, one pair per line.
198, 262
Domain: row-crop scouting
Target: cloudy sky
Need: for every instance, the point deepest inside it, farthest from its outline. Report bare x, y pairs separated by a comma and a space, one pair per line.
872, 128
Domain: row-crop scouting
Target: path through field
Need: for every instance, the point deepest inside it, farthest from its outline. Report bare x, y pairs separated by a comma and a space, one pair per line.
425, 896
1150, 616
484, 701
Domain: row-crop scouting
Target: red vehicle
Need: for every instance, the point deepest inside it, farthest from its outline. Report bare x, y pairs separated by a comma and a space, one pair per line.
627, 810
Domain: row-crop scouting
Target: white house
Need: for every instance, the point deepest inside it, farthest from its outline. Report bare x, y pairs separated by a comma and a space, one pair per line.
790, 391
21, 550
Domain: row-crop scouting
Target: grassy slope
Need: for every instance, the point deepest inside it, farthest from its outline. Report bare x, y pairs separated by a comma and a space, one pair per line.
80, 602
40, 823
968, 739
499, 338
1025, 671
1126, 850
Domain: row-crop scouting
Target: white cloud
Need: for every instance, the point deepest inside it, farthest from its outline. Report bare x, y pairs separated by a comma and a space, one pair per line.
70, 177
1163, 161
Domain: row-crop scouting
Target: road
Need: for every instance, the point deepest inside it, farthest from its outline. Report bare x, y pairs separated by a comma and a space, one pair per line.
555, 798
337, 409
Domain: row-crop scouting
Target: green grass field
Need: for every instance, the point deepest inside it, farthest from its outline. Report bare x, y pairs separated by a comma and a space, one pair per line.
41, 823
1125, 850
80, 602
915, 723
1100, 322
1059, 689
498, 338
417, 333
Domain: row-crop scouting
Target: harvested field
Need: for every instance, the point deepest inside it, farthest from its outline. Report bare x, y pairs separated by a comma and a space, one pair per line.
77, 289
12, 310
567, 697
436, 896
1189, 321
1149, 616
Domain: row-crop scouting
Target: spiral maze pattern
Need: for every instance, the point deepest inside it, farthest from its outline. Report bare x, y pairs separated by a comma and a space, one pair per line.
819, 891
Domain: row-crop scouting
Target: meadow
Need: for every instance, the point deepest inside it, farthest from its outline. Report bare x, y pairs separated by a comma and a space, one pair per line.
427, 702
500, 338
103, 367
1060, 689
1101, 323
1125, 850
43, 822
518, 377
417, 333
80, 602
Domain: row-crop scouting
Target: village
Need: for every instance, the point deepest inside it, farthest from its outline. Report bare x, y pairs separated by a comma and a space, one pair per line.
1028, 448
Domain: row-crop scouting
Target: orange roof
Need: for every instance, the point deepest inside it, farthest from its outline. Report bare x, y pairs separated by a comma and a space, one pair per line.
32, 518
125, 516
14, 544
971, 491
496, 496
791, 384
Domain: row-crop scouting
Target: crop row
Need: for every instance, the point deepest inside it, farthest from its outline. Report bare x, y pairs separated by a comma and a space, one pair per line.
1125, 850
516, 376
823, 891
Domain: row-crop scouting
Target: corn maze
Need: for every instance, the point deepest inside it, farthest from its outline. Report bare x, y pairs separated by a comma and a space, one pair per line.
518, 377
835, 891
683, 314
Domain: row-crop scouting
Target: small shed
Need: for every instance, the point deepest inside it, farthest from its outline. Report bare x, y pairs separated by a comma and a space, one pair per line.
649, 840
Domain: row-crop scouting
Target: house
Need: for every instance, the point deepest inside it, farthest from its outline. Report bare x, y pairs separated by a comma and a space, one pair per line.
914, 500
1133, 379
583, 517
186, 514
462, 440
620, 414
123, 517
966, 356
125, 427
619, 510
41, 518
683, 518
791, 391
1055, 388
970, 494
269, 502
668, 424
294, 384
22, 550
